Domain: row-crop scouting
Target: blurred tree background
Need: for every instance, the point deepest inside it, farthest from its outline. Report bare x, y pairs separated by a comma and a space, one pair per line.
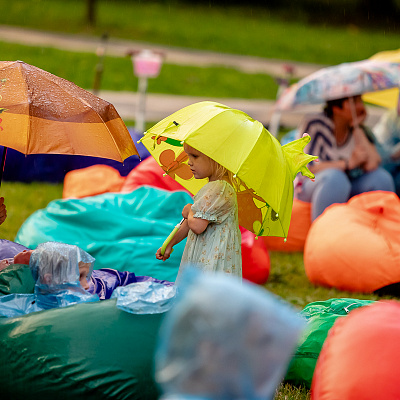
364, 13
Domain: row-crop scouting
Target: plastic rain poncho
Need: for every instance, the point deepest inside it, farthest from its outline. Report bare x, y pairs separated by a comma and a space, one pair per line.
146, 297
225, 340
55, 269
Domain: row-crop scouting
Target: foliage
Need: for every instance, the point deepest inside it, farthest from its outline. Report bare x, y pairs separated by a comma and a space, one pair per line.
242, 30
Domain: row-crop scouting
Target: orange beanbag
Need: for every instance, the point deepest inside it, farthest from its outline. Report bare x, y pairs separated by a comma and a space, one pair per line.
360, 357
299, 226
255, 258
91, 181
148, 172
356, 246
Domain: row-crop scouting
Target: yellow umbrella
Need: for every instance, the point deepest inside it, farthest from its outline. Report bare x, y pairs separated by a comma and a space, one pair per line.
43, 113
243, 146
386, 98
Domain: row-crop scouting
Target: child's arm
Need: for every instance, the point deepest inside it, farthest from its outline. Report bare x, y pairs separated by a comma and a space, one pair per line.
197, 225
178, 237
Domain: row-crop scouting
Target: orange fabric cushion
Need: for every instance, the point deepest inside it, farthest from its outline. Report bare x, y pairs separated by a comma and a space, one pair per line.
91, 181
356, 246
359, 359
300, 224
148, 172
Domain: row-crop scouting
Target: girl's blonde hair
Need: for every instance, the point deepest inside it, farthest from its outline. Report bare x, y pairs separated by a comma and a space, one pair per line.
224, 174
221, 172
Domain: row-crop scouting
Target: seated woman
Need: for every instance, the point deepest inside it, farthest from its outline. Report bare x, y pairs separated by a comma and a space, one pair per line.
60, 272
349, 161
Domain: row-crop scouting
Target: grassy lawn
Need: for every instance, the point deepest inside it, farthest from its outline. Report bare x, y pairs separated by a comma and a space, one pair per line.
118, 74
248, 30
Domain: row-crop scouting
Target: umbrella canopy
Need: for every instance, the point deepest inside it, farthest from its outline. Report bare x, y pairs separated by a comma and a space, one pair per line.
343, 80
243, 146
387, 98
43, 113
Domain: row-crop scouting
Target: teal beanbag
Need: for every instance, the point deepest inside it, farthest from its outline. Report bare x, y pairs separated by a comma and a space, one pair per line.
122, 231
16, 278
89, 351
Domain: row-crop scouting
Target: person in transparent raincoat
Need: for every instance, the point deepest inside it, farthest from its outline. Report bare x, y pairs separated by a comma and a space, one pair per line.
60, 272
224, 340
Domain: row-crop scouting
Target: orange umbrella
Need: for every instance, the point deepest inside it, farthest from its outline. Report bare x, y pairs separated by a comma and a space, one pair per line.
42, 113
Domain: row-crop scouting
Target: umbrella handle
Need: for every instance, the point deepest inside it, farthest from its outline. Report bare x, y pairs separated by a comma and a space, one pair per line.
170, 236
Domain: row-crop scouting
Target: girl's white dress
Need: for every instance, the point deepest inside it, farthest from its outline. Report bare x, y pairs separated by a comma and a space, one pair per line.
218, 248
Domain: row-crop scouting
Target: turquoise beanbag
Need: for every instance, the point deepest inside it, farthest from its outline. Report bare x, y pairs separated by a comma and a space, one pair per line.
122, 231
16, 278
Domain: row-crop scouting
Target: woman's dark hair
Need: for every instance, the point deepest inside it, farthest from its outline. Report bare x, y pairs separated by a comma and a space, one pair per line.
328, 110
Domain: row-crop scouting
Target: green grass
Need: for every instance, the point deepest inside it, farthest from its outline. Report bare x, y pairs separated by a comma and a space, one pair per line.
22, 200
118, 74
246, 30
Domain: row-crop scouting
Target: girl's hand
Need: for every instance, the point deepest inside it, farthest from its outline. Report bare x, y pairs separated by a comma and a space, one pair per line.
3, 210
166, 255
186, 210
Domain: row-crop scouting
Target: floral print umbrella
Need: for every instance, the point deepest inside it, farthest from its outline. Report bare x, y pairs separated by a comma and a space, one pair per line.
343, 80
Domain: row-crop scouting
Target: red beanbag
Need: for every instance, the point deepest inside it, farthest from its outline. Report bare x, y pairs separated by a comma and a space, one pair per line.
356, 246
255, 258
300, 224
148, 172
360, 357
91, 181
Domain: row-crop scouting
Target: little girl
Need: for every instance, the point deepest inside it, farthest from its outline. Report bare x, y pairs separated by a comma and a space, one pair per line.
211, 224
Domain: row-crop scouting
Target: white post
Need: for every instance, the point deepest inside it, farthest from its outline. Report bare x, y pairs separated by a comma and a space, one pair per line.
146, 64
141, 104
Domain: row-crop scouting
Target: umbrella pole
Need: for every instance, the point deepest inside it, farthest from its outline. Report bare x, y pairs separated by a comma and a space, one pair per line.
3, 162
353, 112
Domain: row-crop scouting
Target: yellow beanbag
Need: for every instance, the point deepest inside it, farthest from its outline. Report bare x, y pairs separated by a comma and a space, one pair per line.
355, 246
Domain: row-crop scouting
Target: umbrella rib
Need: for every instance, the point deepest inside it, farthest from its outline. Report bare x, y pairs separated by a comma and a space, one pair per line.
50, 78
28, 126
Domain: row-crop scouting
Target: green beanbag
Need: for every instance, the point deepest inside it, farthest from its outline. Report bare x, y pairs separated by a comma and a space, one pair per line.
320, 316
83, 352
122, 231
16, 278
